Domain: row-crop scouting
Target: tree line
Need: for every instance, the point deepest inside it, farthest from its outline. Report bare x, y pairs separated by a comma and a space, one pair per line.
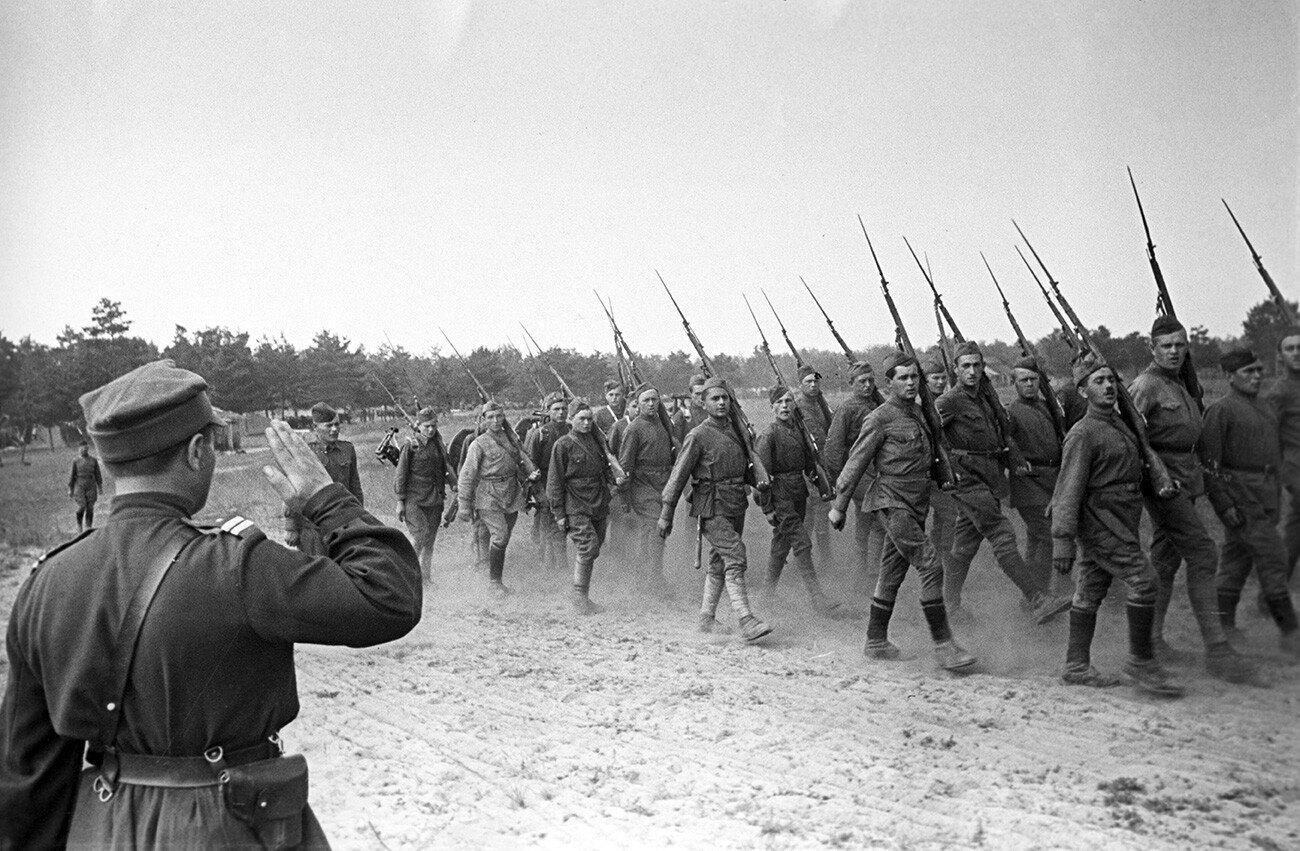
40, 384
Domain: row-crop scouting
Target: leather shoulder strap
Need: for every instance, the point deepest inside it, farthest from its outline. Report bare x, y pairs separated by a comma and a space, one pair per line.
129, 635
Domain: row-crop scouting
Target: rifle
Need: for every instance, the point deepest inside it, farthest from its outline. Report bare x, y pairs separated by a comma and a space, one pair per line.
635, 371
1165, 305
739, 422
624, 371
596, 433
945, 347
1283, 308
848, 353
1067, 333
941, 460
817, 471
1014, 459
798, 360
531, 367
1161, 481
1028, 350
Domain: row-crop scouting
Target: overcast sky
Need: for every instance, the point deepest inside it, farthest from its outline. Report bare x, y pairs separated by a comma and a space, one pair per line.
391, 167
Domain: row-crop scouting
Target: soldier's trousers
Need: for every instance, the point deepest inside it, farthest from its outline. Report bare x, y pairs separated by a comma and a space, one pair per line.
818, 522
980, 518
647, 543
1038, 542
943, 519
1178, 535
423, 523
1257, 546
588, 534
726, 564
790, 536
906, 544
1105, 558
555, 551
1291, 529
868, 545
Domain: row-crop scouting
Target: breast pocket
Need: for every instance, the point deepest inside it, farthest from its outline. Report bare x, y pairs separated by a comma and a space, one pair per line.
903, 435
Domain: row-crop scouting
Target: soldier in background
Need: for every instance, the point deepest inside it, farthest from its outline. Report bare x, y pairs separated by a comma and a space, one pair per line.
895, 444
943, 506
979, 455
1031, 490
538, 446
492, 489
1284, 396
716, 463
695, 413
420, 484
339, 458
846, 422
675, 406
614, 407
84, 484
577, 490
1098, 501
621, 523
1242, 449
817, 416
1178, 532
781, 450
646, 455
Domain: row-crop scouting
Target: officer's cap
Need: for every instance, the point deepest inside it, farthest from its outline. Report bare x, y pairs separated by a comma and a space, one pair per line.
147, 410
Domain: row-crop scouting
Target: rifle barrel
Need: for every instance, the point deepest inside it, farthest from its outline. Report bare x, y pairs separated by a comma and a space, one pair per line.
1283, 307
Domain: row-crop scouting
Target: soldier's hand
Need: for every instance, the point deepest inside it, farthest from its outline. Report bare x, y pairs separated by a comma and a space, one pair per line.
771, 518
665, 527
292, 539
1063, 565
449, 515
464, 516
401, 512
837, 519
562, 523
297, 474
1233, 518
534, 475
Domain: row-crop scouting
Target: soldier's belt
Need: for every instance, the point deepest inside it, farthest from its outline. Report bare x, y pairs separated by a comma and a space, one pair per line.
180, 772
1173, 450
979, 453
498, 478
1051, 465
1263, 470
1121, 488
722, 481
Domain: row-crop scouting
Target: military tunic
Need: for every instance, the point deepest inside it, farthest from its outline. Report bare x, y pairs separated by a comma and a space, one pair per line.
491, 485
1284, 396
340, 461
220, 672
714, 461
578, 491
846, 423
646, 456
85, 481
538, 446
781, 450
420, 483
1034, 432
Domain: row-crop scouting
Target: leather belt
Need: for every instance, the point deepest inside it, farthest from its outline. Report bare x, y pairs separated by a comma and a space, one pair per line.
1121, 487
1176, 450
983, 453
1265, 469
179, 772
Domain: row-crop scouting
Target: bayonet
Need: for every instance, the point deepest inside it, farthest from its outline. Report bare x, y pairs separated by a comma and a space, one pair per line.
848, 353
1282, 305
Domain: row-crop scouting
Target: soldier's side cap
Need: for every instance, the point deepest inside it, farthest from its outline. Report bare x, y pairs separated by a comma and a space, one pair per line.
642, 389
1286, 331
933, 367
967, 347
716, 382
894, 360
860, 367
426, 415
807, 370
147, 410
1084, 366
696, 379
1026, 362
777, 393
492, 405
553, 398
578, 404
1234, 359
322, 414
1165, 325
613, 385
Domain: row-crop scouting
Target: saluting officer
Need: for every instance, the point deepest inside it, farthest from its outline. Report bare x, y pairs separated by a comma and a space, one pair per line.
714, 460
978, 452
84, 484
420, 483
846, 422
1098, 501
781, 449
895, 445
1178, 533
339, 458
1243, 449
161, 650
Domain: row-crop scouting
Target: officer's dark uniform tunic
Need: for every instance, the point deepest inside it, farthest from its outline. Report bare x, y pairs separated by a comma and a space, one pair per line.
1241, 442
213, 667
1034, 433
1178, 531
972, 431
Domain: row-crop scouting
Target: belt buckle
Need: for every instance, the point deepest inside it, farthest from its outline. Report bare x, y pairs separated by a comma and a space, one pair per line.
102, 789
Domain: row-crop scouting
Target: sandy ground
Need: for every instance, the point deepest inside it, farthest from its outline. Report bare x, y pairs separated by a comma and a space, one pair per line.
514, 724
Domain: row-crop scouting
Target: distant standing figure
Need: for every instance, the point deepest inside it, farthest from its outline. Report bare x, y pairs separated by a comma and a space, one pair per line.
340, 460
84, 485
420, 483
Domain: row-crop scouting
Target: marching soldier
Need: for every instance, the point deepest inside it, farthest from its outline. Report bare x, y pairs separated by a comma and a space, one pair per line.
1284, 396
622, 524
339, 458
84, 484
943, 505
420, 484
714, 460
846, 422
613, 409
1178, 533
895, 444
783, 454
695, 413
675, 406
540, 442
817, 416
1242, 449
492, 489
160, 650
1031, 489
577, 489
1097, 500
977, 451
646, 456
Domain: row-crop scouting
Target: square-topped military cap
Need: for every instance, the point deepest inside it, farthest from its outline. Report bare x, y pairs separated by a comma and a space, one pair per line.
147, 410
